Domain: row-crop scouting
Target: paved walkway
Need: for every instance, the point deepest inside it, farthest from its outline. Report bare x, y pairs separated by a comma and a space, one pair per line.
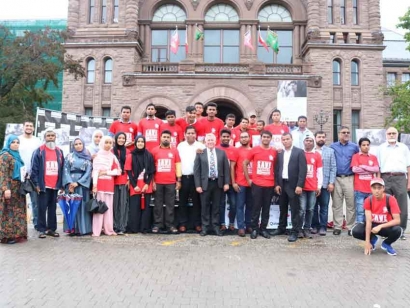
192, 271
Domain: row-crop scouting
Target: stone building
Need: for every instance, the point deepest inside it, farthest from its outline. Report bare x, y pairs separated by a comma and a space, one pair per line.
334, 45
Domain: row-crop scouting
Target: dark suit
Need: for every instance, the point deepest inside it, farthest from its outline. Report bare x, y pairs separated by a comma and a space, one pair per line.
212, 189
297, 169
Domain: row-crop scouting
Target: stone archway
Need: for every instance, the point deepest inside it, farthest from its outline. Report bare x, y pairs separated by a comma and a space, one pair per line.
163, 103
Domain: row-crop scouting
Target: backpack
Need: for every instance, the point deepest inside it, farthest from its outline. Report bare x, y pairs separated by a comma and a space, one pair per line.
387, 203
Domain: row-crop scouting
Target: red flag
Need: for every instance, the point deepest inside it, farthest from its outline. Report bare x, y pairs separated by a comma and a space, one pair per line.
186, 41
175, 41
248, 39
262, 41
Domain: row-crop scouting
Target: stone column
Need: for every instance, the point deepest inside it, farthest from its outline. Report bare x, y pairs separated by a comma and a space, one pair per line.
374, 15
131, 14
73, 14
242, 49
313, 14
296, 43
147, 43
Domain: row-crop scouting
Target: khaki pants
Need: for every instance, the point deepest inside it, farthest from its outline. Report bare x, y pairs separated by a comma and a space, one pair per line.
343, 191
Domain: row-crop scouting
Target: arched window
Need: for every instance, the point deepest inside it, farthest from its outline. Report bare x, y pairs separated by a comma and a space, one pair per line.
221, 12
91, 70
108, 70
336, 72
354, 72
169, 12
274, 13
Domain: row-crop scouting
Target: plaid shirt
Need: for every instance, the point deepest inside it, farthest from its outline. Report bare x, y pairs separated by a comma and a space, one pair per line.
329, 166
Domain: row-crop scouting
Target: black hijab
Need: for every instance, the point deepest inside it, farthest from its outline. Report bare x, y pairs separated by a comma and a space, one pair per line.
120, 151
142, 159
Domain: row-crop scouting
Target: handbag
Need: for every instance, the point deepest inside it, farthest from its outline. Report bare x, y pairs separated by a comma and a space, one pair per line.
102, 207
96, 206
27, 187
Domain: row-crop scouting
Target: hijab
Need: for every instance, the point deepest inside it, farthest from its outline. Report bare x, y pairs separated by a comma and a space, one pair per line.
18, 162
142, 159
83, 153
101, 150
94, 148
120, 151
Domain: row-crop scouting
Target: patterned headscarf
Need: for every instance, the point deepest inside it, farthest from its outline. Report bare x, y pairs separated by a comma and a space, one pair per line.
18, 162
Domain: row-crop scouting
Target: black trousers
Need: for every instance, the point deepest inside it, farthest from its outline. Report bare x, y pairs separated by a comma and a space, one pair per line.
188, 216
139, 220
165, 194
47, 217
286, 199
262, 197
210, 200
391, 234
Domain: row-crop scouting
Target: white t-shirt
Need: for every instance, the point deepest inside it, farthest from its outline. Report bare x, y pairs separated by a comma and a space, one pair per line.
26, 149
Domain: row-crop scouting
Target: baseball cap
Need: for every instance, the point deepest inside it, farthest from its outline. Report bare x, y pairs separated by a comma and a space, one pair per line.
253, 116
377, 181
308, 136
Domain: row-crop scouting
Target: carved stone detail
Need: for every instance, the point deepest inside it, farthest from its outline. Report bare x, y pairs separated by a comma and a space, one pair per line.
377, 37
248, 4
128, 81
313, 34
88, 93
221, 68
337, 94
106, 93
283, 69
132, 34
356, 96
315, 82
195, 4
160, 68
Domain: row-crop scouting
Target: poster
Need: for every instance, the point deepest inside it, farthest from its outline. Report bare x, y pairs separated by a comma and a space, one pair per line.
376, 137
13, 129
292, 99
405, 138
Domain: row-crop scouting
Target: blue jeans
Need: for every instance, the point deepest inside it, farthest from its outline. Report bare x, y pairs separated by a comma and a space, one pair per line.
244, 197
307, 205
320, 212
34, 207
359, 200
231, 193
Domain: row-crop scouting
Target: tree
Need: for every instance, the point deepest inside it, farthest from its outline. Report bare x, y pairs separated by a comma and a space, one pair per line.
28, 65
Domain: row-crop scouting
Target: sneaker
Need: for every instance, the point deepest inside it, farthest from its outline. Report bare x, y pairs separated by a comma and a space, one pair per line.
120, 233
301, 234
313, 231
390, 250
337, 231
307, 234
322, 231
349, 232
403, 237
373, 241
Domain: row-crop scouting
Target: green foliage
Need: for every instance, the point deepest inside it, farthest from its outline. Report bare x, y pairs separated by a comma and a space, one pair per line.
405, 24
400, 107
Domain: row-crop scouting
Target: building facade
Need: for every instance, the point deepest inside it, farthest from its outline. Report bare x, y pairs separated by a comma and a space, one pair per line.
334, 45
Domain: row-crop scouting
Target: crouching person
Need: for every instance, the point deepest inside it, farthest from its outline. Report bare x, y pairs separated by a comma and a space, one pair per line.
382, 218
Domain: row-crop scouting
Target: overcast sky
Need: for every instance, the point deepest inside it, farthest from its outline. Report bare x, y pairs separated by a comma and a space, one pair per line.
53, 9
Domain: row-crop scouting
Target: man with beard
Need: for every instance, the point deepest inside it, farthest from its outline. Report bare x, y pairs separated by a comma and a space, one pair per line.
298, 134
149, 127
126, 126
176, 131
167, 179
190, 120
46, 174
241, 186
211, 124
28, 144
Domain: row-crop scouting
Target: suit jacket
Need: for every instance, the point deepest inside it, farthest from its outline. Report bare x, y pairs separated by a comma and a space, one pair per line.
201, 169
297, 168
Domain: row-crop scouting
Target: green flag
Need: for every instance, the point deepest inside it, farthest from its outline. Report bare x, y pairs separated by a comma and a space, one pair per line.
272, 41
199, 35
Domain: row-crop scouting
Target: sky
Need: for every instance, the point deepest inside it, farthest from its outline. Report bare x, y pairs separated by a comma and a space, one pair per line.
391, 10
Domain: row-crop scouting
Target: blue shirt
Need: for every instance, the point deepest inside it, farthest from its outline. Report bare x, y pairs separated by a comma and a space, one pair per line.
344, 154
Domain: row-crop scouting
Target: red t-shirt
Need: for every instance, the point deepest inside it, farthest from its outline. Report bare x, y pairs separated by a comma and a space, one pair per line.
140, 181
212, 127
314, 161
51, 169
230, 151
184, 124
106, 183
263, 166
165, 160
150, 130
176, 133
237, 135
277, 129
123, 178
241, 154
380, 214
129, 129
362, 181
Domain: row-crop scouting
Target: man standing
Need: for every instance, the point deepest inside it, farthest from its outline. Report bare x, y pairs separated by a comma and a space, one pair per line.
263, 159
344, 151
126, 126
230, 125
277, 128
189, 217
149, 127
256, 138
313, 185
176, 131
292, 126
241, 185
364, 166
300, 132
394, 160
320, 213
199, 110
190, 120
46, 174
211, 124
252, 122
211, 175
28, 144
290, 179
167, 178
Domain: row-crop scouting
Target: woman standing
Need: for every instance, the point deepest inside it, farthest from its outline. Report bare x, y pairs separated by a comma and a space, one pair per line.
13, 216
76, 179
93, 148
121, 186
105, 167
140, 169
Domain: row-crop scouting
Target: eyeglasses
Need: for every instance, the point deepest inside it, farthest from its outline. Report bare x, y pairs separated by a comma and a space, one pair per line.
345, 133
391, 133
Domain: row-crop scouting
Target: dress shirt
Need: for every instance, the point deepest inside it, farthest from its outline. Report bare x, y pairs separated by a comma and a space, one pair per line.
393, 158
286, 158
187, 153
344, 154
329, 165
298, 136
208, 151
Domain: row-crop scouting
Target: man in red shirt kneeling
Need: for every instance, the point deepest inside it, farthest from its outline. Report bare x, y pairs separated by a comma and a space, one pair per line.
382, 218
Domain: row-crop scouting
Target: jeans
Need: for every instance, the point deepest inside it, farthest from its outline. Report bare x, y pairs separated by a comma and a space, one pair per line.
359, 199
320, 213
307, 205
165, 194
262, 197
47, 217
231, 193
34, 207
244, 197
391, 234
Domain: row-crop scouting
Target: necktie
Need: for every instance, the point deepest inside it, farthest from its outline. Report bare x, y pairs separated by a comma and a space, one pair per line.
212, 171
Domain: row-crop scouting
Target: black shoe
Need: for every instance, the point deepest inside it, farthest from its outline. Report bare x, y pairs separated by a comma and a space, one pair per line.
254, 234
337, 231
349, 233
265, 234
292, 237
277, 232
203, 232
301, 234
218, 232
307, 234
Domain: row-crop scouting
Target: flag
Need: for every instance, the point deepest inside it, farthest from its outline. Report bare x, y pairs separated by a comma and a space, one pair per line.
262, 41
199, 35
175, 41
272, 41
186, 41
248, 39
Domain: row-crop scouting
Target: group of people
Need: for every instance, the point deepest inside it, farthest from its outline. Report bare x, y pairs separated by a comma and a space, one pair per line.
206, 162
